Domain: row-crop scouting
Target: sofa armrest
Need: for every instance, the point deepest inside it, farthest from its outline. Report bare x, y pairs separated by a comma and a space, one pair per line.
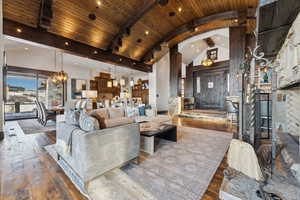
102, 150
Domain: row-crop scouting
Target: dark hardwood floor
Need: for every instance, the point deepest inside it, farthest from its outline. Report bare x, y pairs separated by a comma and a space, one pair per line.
28, 172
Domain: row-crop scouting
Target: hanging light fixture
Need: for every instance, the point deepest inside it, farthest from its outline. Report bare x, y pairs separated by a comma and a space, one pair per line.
115, 81
207, 62
109, 82
60, 77
53, 76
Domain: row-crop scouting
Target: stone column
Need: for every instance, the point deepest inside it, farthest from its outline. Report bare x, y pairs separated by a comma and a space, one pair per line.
1, 72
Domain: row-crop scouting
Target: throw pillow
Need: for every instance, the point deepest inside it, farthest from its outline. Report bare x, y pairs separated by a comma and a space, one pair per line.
142, 111
100, 114
72, 117
87, 122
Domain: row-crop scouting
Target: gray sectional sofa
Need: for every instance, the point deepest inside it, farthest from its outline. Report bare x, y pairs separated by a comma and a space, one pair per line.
102, 140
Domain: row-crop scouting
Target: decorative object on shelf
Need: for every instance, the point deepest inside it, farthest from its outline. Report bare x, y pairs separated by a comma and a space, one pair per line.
109, 84
115, 83
60, 77
122, 82
131, 82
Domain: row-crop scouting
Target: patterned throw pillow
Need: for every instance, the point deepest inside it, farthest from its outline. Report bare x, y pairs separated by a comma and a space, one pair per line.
72, 117
87, 122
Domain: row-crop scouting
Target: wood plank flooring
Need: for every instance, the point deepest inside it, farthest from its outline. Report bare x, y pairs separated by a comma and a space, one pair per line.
28, 172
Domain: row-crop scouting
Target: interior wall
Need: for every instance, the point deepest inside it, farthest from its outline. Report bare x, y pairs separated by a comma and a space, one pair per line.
223, 55
162, 73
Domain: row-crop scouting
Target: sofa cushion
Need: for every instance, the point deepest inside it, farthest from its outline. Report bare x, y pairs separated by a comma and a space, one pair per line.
87, 122
116, 113
72, 117
109, 123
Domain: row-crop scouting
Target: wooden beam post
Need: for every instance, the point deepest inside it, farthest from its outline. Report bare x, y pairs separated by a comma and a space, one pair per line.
237, 37
37, 35
175, 67
1, 73
189, 80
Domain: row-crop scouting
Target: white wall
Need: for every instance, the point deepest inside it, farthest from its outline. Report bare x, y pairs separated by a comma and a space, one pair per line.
42, 60
152, 86
223, 55
162, 73
1, 65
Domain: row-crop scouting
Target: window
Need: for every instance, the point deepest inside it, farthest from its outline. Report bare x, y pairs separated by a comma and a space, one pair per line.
23, 86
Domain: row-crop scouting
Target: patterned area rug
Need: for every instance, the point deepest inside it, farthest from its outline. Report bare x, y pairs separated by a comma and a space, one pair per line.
32, 126
182, 170
176, 171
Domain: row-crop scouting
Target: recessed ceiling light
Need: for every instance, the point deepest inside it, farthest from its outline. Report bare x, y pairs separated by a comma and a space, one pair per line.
196, 29
95, 52
121, 59
26, 48
147, 32
179, 9
99, 3
67, 43
236, 20
19, 30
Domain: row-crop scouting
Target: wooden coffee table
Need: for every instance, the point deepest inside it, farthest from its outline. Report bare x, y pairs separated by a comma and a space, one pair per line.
164, 131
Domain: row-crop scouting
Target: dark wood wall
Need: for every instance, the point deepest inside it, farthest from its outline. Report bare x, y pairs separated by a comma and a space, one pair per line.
175, 69
188, 84
237, 38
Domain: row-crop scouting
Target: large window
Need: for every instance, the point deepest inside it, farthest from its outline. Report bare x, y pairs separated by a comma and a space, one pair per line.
23, 87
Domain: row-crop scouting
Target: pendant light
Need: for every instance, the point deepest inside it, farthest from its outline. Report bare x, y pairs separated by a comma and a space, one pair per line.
53, 76
115, 81
109, 82
61, 76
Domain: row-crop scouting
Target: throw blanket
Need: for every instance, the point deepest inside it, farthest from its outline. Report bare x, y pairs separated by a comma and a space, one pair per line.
64, 141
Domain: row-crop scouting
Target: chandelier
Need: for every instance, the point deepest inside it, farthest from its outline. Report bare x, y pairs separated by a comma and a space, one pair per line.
59, 77
207, 62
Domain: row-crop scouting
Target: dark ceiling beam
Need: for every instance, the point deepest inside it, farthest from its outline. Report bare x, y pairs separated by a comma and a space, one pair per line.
37, 35
191, 25
209, 41
279, 28
46, 14
125, 29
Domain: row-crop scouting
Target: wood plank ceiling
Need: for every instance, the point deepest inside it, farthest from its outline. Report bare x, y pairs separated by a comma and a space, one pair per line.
70, 20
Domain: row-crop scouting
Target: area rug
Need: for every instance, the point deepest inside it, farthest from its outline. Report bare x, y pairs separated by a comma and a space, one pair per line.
177, 171
32, 126
182, 170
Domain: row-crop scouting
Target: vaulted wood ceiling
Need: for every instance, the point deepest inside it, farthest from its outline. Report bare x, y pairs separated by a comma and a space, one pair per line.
70, 20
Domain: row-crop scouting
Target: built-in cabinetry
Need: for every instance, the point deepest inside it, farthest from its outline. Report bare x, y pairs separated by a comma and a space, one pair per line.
103, 87
141, 90
287, 64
